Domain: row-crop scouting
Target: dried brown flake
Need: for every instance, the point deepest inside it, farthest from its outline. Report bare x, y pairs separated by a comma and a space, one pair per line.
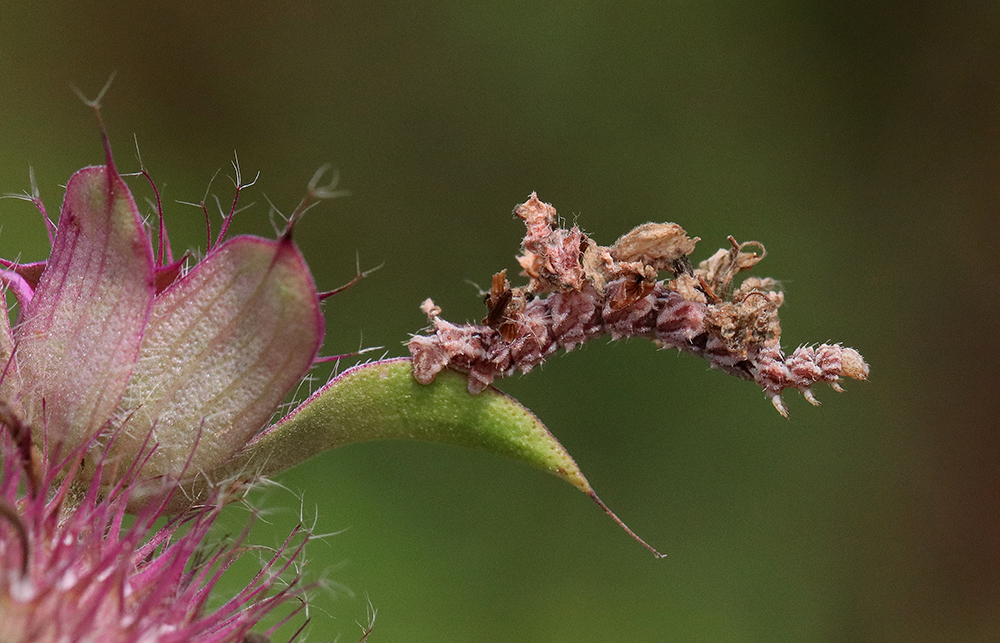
429, 308
552, 255
598, 265
505, 307
660, 245
631, 289
719, 270
689, 287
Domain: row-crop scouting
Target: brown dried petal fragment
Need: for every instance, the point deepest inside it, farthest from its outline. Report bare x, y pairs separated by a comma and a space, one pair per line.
430, 309
631, 289
766, 285
505, 307
552, 256
719, 269
658, 245
538, 217
747, 323
598, 265
711, 268
497, 298
687, 286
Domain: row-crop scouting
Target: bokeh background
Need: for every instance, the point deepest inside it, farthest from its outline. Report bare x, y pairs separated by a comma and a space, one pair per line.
858, 141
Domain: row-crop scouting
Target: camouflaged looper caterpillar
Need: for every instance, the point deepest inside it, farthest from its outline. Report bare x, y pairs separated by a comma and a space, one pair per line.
579, 290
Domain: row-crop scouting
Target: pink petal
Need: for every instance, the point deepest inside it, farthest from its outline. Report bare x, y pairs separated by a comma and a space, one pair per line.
9, 382
30, 272
167, 275
23, 289
224, 346
81, 331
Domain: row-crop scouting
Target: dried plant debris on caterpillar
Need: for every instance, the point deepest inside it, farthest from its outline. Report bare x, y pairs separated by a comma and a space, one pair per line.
578, 290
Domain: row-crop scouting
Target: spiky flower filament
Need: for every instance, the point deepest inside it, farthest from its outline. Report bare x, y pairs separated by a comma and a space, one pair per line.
579, 290
74, 568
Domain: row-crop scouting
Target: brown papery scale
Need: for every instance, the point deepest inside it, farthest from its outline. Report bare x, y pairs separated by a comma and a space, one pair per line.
579, 290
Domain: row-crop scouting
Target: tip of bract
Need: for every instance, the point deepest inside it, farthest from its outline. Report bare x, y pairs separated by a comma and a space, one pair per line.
607, 510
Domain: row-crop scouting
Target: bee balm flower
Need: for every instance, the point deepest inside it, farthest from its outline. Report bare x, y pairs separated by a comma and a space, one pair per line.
123, 378
114, 341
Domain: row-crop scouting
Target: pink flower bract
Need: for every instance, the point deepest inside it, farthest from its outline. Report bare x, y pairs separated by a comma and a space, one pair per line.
125, 380
100, 349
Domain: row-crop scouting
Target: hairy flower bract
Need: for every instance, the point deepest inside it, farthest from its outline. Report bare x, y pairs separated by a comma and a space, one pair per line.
129, 379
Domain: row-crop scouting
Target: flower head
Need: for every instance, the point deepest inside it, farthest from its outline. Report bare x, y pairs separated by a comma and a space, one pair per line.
127, 379
116, 340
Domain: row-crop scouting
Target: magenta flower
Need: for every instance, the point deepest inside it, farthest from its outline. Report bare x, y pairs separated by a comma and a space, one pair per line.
71, 570
124, 377
113, 340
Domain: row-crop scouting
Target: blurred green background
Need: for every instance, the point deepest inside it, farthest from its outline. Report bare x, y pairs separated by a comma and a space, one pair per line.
858, 141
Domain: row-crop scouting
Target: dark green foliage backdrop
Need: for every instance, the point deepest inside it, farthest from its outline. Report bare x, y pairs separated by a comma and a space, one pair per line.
859, 144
